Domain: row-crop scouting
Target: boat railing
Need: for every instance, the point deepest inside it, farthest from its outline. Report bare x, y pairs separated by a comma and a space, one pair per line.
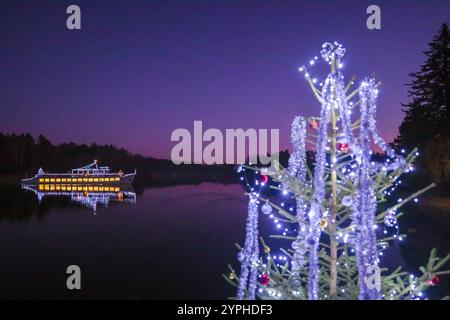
90, 171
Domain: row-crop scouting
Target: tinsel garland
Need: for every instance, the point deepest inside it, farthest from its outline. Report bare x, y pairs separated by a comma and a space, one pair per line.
249, 256
364, 205
297, 168
317, 211
368, 95
344, 112
333, 96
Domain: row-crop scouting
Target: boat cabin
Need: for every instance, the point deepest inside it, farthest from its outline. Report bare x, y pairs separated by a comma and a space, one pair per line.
91, 169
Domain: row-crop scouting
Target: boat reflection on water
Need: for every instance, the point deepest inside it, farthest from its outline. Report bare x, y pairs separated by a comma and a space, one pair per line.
90, 196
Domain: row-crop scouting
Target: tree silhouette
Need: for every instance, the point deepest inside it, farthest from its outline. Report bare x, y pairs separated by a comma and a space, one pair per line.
426, 122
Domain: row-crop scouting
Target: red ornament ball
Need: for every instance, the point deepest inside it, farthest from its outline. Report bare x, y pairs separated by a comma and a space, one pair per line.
434, 281
263, 179
343, 147
264, 279
314, 124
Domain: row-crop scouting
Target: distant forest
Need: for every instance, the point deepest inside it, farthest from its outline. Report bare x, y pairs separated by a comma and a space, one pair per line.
23, 155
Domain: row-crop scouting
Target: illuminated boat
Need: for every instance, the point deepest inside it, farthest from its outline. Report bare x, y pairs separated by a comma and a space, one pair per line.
90, 196
90, 174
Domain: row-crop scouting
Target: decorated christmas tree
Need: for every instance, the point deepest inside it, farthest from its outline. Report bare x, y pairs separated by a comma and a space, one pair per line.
333, 212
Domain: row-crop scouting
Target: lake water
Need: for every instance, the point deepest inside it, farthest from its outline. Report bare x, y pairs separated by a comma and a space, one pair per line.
173, 242
168, 242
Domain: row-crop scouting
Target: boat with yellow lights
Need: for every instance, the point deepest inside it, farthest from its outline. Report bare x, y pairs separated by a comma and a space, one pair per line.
87, 195
91, 174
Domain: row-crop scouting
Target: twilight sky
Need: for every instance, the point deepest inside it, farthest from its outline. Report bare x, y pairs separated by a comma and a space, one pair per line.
140, 69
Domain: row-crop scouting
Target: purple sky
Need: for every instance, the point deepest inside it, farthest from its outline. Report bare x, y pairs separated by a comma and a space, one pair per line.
140, 69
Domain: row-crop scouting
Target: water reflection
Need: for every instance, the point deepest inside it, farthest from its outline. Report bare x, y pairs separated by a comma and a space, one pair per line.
126, 251
90, 196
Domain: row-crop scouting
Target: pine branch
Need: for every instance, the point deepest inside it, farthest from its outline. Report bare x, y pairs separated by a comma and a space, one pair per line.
403, 202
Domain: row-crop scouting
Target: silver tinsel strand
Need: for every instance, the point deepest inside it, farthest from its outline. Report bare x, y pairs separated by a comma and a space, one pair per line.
317, 211
297, 168
365, 204
250, 253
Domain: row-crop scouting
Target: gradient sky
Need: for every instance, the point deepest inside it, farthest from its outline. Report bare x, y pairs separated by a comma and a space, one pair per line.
140, 69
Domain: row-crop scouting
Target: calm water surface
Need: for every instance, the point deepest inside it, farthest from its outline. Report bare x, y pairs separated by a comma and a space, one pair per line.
174, 242
171, 242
